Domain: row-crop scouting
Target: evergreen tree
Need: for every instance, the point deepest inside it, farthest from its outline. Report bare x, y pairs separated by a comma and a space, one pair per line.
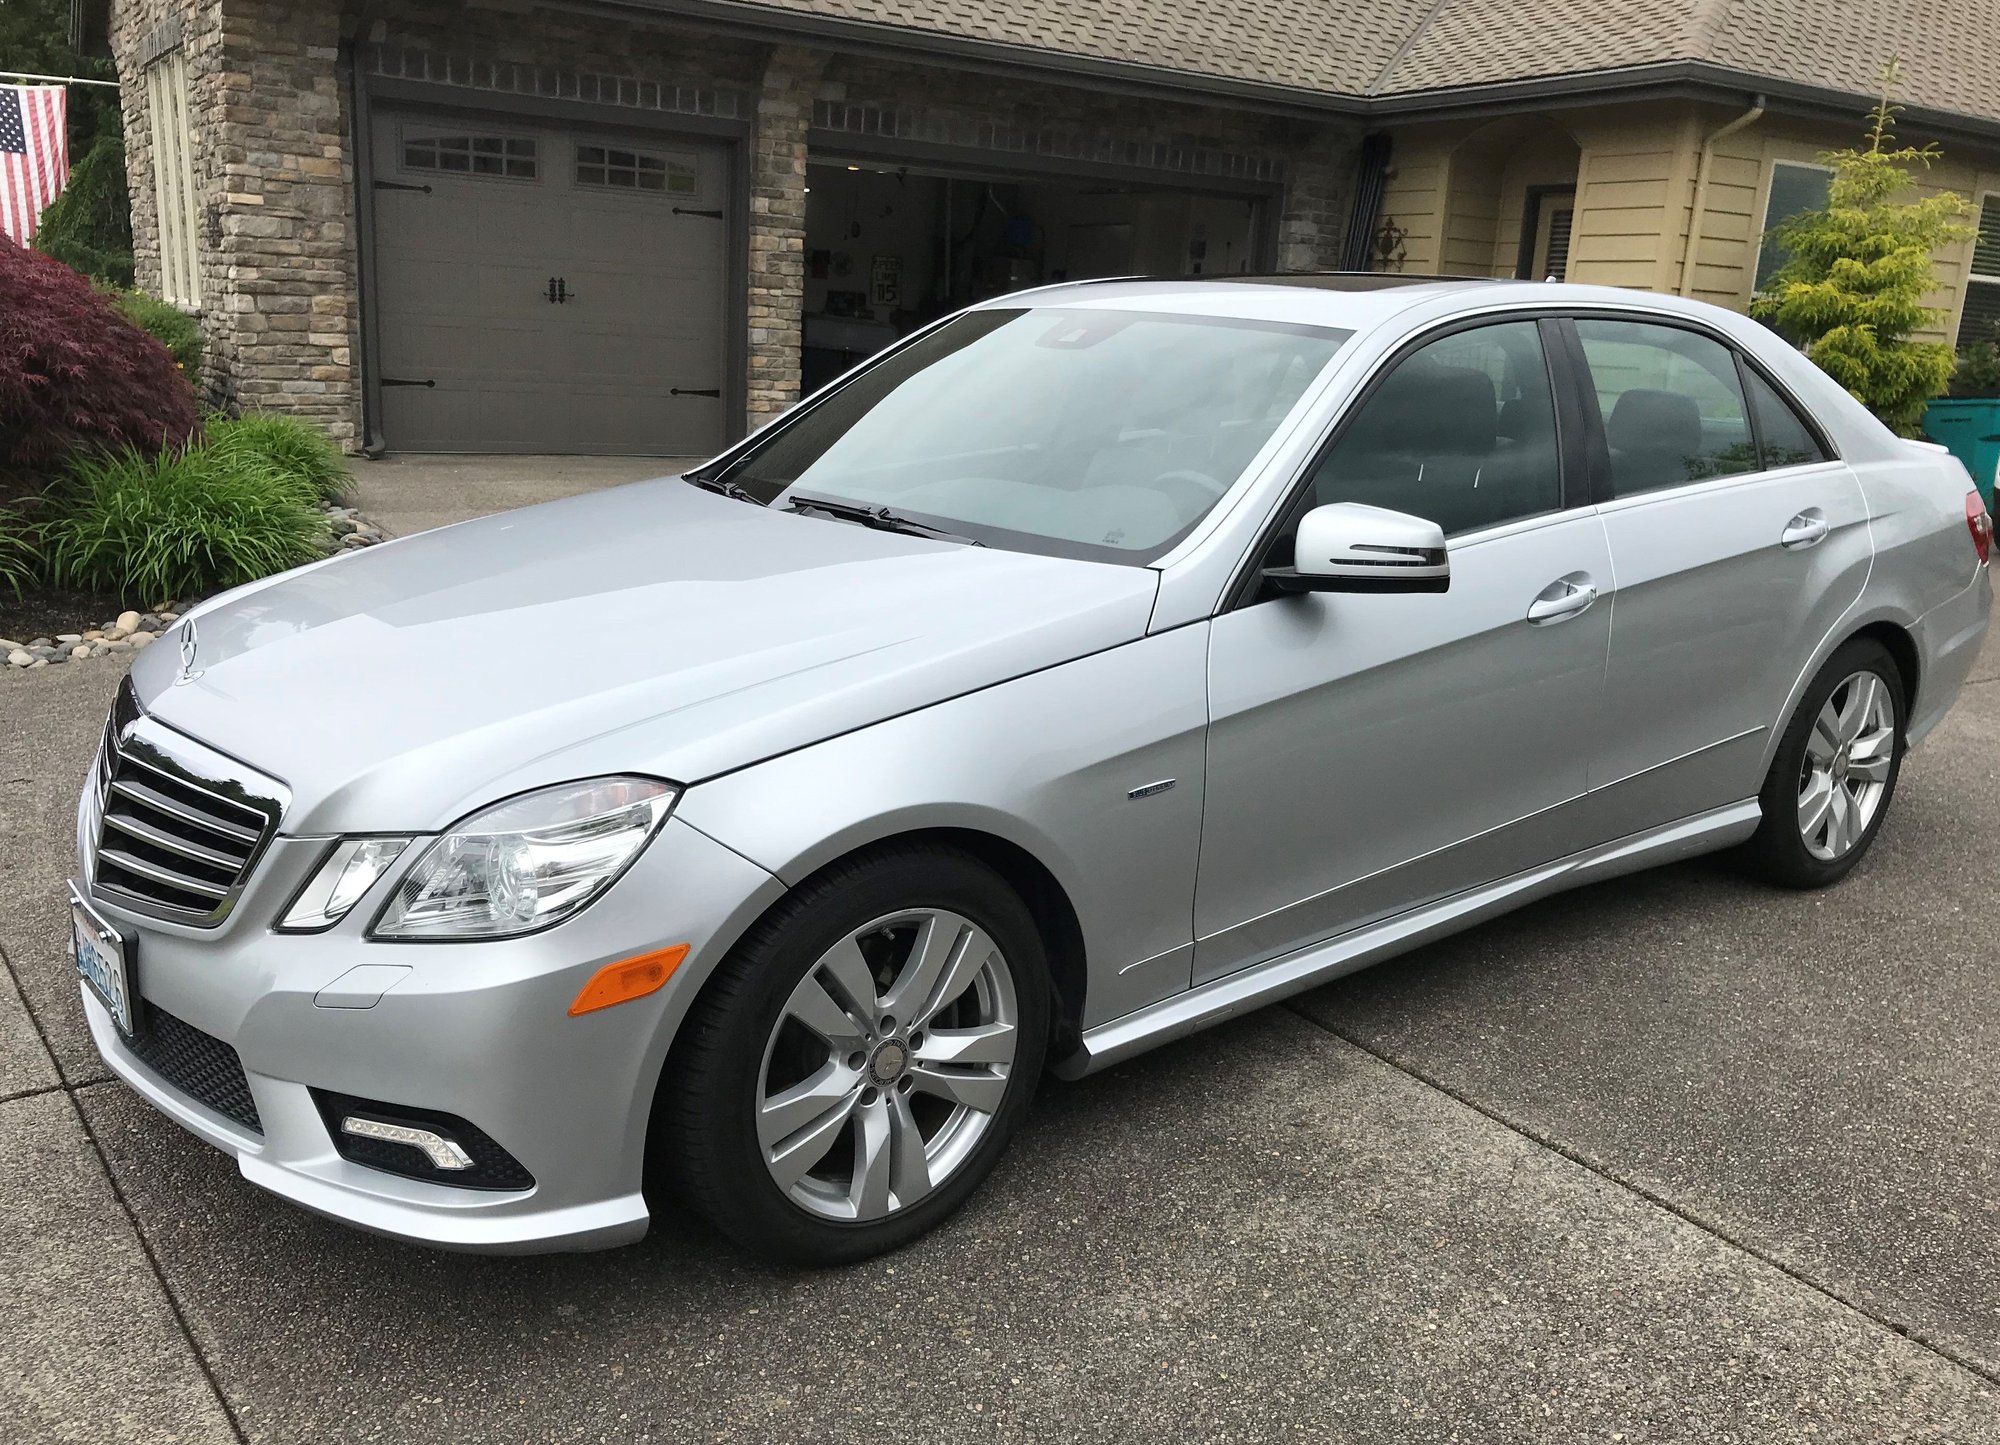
1851, 292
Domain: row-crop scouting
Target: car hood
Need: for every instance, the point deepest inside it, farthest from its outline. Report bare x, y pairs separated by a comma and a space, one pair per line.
653, 628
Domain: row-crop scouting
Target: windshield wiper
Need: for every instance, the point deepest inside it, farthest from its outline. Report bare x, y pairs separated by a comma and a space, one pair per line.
880, 518
727, 489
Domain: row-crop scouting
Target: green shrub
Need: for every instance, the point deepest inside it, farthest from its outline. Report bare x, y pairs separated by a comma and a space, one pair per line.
296, 450
167, 324
1978, 373
20, 557
179, 524
89, 225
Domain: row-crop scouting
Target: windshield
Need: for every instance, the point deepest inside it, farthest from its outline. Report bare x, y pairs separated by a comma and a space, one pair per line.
1097, 434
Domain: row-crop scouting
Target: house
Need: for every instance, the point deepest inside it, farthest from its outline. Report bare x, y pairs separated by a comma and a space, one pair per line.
643, 225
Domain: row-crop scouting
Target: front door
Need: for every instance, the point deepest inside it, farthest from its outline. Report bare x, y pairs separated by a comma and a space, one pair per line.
1737, 544
1545, 234
1369, 753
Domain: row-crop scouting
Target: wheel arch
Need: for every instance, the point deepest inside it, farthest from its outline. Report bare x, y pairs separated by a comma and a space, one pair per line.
1902, 649
1048, 902
1888, 626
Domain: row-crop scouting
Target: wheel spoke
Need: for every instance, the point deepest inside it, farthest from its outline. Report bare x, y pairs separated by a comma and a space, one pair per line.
1814, 804
1861, 690
791, 1160
852, 975
790, 1110
974, 952
911, 1172
873, 1163
981, 1091
814, 1007
1840, 828
988, 1044
1868, 770
930, 955
1824, 740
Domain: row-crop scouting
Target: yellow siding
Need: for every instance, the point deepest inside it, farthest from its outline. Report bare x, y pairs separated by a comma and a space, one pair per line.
1458, 189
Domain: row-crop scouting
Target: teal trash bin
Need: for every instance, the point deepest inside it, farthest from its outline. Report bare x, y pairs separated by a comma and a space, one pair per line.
1970, 430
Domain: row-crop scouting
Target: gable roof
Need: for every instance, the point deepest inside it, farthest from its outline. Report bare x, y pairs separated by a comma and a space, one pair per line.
1392, 54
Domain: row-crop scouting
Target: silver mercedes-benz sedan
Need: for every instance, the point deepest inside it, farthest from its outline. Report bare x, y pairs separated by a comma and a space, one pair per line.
1096, 664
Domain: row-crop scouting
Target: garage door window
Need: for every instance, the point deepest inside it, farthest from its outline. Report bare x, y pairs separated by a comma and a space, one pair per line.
473, 155
673, 175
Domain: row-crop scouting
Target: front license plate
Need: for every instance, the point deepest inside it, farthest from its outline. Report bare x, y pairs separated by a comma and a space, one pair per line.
104, 958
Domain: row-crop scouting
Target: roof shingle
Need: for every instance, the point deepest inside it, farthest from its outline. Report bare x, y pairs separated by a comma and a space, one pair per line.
1950, 48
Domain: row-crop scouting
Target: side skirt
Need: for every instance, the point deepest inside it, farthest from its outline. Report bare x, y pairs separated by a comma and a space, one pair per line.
1237, 993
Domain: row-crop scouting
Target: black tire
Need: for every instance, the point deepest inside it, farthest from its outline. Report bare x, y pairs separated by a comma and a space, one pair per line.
704, 1142
1778, 852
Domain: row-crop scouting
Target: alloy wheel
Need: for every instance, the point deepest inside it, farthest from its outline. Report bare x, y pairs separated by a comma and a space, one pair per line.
1845, 772
887, 1065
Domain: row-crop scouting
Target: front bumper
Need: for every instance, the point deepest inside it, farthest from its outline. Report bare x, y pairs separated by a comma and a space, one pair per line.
479, 1030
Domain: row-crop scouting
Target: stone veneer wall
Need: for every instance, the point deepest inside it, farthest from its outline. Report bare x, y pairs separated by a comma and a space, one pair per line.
275, 186
269, 94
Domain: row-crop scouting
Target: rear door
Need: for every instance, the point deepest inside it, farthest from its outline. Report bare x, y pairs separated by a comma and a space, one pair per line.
1369, 753
1737, 541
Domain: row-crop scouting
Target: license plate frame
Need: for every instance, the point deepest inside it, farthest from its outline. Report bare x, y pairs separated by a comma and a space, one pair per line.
104, 961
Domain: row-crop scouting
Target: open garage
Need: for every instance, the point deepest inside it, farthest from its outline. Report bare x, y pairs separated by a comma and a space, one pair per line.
891, 245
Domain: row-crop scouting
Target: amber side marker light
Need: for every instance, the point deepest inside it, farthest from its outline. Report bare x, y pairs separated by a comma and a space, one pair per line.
628, 979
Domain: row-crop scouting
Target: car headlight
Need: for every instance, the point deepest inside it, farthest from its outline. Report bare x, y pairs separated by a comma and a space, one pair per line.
527, 863
348, 872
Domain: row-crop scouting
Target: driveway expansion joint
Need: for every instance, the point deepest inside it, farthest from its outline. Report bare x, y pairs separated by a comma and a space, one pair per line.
1706, 1226
69, 1093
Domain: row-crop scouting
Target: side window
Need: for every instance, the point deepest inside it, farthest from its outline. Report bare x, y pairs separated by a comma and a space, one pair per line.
1462, 432
1672, 405
1788, 441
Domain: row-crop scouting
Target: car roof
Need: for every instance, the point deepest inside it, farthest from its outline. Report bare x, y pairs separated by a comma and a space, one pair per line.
1350, 300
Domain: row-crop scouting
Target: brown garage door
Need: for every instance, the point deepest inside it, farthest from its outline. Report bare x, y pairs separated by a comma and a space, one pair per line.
548, 290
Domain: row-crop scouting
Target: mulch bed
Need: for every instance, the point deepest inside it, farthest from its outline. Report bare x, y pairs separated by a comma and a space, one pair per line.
45, 611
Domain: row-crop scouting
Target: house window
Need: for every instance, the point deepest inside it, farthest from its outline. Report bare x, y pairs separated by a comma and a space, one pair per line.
674, 175
471, 155
1980, 319
173, 178
1795, 189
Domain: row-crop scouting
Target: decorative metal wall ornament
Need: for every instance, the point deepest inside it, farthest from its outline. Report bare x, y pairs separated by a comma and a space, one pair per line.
1390, 252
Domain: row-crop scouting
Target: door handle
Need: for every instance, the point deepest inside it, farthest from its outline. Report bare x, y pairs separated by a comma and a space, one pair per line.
1562, 599
1807, 529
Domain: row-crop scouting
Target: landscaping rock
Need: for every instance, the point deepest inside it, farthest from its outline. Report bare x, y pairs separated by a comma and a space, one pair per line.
55, 657
69, 637
128, 622
20, 657
140, 638
7, 644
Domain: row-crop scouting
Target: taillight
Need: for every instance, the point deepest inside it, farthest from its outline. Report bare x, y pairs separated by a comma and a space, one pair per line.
1979, 524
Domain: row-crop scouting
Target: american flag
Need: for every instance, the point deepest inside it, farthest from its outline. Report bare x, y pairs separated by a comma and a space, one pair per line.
34, 155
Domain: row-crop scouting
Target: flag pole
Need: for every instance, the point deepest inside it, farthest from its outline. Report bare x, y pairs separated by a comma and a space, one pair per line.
55, 79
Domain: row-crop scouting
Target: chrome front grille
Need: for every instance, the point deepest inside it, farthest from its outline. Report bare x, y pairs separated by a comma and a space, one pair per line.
177, 829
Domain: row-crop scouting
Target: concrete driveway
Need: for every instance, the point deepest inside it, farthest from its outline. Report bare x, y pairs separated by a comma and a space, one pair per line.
1674, 1158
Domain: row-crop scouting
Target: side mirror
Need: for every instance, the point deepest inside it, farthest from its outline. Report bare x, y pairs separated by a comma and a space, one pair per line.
1352, 547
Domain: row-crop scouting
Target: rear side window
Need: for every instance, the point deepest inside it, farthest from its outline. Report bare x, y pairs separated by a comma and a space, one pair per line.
1788, 441
1462, 432
1672, 404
